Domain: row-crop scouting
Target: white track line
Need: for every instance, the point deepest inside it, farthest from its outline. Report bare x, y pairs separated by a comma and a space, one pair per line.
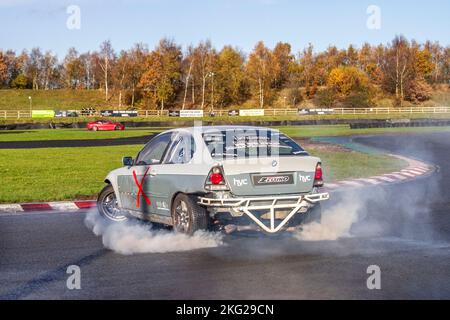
369, 180
397, 176
64, 206
352, 183
385, 179
416, 172
331, 185
408, 174
11, 208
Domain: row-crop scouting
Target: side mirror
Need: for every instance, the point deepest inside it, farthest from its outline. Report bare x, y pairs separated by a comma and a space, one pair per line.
127, 161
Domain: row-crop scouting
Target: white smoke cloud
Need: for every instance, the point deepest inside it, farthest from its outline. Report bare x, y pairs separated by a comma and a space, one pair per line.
335, 223
132, 237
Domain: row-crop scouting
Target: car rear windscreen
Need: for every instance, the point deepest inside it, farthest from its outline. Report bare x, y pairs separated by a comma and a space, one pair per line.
240, 143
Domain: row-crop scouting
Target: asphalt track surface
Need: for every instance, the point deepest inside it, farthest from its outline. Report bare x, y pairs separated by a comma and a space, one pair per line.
404, 229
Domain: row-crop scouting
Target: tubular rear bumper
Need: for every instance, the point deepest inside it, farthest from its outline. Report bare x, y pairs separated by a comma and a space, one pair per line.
245, 205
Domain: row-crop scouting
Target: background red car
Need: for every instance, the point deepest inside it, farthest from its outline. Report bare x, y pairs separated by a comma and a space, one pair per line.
105, 125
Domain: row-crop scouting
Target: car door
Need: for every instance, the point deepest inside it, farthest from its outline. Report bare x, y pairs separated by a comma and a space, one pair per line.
108, 126
139, 188
174, 174
100, 125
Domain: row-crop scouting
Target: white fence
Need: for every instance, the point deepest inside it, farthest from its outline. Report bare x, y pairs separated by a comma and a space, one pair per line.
12, 114
20, 114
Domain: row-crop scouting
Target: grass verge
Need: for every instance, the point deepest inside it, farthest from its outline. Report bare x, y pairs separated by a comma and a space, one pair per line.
353, 164
57, 173
344, 130
293, 131
73, 134
52, 99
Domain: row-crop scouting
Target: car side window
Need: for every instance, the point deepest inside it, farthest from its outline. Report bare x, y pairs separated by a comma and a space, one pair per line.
182, 150
154, 151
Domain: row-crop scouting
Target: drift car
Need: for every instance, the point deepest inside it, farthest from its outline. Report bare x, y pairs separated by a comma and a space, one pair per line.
223, 178
104, 125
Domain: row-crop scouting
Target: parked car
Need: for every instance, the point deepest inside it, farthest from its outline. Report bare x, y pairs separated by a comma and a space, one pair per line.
230, 178
104, 125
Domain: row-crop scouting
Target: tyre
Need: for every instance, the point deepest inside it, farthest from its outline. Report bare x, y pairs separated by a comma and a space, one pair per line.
95, 128
188, 217
107, 205
117, 128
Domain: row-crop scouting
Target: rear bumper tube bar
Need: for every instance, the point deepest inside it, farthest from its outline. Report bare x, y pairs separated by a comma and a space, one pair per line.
248, 204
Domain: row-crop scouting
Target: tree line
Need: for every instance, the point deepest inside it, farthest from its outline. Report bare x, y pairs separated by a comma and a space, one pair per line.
203, 77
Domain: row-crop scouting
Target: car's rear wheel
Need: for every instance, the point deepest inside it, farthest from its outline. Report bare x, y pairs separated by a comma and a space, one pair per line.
117, 128
107, 205
188, 217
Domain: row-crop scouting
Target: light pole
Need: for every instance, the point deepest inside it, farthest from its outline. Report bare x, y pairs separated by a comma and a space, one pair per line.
31, 105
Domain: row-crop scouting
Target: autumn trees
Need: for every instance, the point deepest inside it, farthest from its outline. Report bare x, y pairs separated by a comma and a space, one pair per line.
41, 69
230, 78
213, 78
349, 86
406, 66
3, 69
161, 80
106, 59
202, 76
135, 58
260, 72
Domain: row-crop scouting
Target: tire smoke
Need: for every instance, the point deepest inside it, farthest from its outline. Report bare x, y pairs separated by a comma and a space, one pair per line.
130, 237
377, 212
335, 223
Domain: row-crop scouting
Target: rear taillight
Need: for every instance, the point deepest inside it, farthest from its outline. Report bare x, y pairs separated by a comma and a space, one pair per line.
318, 176
216, 180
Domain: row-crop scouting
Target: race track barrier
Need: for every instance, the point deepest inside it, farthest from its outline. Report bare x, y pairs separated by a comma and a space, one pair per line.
20, 114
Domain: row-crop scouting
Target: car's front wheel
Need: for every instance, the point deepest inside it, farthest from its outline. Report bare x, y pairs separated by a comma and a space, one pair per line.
107, 205
188, 217
94, 128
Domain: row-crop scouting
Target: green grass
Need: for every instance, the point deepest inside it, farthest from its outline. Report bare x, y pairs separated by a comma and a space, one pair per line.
58, 173
293, 131
73, 134
77, 173
51, 99
345, 165
441, 98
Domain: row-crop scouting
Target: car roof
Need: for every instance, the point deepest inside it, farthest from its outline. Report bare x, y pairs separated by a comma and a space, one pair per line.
203, 129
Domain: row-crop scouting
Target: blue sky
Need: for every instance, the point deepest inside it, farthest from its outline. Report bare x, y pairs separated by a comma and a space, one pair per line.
42, 23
